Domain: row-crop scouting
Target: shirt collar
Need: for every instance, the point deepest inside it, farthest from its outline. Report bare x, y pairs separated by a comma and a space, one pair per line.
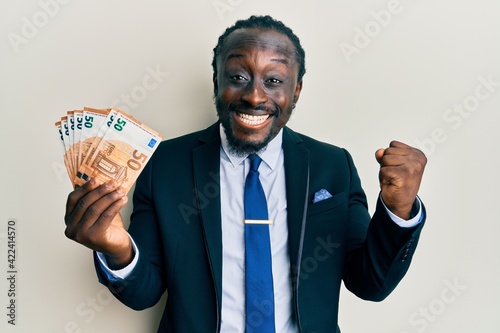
269, 155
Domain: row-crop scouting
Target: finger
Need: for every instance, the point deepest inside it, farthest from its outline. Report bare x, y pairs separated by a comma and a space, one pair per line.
92, 193
105, 208
379, 154
395, 156
392, 171
95, 235
106, 218
398, 151
93, 212
399, 144
97, 207
78, 193
395, 148
391, 151
393, 160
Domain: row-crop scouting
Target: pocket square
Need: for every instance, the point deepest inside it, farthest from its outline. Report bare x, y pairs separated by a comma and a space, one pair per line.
321, 195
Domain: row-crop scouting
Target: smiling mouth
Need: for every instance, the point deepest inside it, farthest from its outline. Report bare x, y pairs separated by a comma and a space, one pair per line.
251, 119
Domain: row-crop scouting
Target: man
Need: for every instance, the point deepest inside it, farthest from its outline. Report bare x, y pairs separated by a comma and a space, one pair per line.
187, 234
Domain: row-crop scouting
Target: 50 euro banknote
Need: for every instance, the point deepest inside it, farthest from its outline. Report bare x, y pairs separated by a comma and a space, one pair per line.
111, 145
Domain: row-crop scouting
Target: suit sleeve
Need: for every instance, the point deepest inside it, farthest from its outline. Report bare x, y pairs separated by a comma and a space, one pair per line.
144, 286
380, 251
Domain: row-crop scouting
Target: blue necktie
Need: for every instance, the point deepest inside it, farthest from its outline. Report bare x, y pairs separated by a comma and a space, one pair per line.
258, 269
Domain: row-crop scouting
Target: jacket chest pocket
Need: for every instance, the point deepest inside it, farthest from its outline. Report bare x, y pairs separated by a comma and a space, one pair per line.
324, 206
328, 217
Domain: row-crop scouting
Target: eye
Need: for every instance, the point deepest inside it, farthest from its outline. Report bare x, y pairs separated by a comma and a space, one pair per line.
237, 77
274, 81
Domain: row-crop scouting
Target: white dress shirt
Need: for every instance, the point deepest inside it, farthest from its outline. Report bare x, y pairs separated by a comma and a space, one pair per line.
233, 173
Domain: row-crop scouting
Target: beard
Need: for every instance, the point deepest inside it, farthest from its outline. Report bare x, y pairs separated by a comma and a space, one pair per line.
237, 146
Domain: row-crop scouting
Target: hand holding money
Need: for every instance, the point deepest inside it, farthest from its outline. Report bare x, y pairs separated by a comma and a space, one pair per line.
104, 152
92, 219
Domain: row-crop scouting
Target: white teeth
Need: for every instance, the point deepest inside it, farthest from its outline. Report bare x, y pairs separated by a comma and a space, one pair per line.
252, 120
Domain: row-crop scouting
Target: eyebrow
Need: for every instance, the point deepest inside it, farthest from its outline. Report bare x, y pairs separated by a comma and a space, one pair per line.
238, 55
281, 60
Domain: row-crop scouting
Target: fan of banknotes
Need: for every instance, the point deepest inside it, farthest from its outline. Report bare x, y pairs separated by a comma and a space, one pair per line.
105, 144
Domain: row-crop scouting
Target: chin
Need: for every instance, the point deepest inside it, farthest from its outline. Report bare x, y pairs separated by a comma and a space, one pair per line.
244, 146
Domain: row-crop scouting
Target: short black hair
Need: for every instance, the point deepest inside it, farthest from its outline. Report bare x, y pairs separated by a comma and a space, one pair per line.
265, 23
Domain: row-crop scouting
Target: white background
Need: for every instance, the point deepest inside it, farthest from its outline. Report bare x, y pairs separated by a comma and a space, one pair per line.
399, 84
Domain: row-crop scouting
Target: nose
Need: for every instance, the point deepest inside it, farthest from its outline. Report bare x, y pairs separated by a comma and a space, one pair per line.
254, 94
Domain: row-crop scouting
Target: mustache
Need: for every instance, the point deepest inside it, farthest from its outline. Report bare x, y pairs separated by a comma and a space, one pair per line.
239, 107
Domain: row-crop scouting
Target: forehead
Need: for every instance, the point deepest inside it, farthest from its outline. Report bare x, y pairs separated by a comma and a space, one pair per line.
254, 39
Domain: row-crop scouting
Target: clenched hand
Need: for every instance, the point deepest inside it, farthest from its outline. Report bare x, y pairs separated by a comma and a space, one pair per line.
400, 175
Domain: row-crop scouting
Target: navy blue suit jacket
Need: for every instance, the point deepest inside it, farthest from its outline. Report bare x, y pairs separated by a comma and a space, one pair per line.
176, 224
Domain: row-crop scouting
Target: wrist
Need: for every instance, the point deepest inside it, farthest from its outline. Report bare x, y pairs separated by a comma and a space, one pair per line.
120, 259
403, 211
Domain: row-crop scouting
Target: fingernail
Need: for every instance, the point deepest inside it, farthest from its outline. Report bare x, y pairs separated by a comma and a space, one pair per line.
120, 191
111, 184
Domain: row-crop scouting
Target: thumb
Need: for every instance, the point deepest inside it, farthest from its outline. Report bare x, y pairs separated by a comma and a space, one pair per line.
379, 154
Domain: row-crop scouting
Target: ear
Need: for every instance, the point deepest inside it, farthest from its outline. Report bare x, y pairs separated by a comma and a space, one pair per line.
296, 93
216, 84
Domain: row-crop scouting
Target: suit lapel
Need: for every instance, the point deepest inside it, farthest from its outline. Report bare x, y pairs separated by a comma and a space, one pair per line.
206, 161
297, 183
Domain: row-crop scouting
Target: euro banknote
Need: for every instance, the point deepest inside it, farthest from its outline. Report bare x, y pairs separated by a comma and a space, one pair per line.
105, 144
